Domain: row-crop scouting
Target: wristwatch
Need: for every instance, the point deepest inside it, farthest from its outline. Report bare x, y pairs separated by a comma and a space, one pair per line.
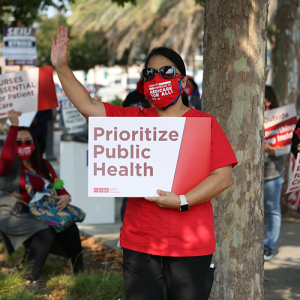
184, 206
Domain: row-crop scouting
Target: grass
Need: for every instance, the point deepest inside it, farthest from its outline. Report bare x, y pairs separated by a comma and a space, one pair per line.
93, 284
96, 284
102, 286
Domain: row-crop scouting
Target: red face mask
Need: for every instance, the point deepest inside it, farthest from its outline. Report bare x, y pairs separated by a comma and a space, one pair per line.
140, 87
189, 90
24, 152
162, 92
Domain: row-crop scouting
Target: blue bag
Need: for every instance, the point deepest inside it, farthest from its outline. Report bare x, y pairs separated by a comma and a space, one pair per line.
43, 206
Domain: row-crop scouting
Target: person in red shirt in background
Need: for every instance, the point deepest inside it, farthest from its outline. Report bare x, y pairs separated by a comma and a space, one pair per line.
21, 153
193, 94
167, 240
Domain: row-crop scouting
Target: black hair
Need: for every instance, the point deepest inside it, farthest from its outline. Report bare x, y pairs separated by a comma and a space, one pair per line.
36, 159
173, 57
270, 95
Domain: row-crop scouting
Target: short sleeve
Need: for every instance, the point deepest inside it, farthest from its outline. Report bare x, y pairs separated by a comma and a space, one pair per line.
120, 111
221, 152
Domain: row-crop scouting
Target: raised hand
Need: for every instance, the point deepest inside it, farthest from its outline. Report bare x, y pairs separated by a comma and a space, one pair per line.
14, 117
60, 49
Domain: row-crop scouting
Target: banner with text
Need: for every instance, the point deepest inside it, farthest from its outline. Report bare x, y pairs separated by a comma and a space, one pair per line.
27, 91
19, 46
133, 157
279, 125
294, 184
72, 120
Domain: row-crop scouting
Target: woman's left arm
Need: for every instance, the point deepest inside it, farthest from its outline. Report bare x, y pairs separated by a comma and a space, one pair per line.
212, 186
63, 196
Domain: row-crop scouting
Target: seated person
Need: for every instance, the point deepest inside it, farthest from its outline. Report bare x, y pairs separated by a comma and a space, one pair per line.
21, 153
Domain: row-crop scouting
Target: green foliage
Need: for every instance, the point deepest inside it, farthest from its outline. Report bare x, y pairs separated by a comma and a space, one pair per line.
117, 102
122, 2
25, 12
84, 52
201, 2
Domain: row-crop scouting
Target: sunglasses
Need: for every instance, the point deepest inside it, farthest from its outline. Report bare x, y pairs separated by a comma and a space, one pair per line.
166, 72
27, 143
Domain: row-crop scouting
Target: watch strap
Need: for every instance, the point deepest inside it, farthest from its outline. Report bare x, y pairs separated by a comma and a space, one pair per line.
184, 206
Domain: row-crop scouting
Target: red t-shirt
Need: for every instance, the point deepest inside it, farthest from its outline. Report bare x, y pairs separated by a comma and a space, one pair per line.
7, 161
151, 229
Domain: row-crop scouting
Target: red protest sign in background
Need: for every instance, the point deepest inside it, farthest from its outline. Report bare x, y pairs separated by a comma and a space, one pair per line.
280, 124
27, 91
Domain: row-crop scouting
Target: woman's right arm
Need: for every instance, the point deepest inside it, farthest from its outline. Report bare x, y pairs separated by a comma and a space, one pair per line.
8, 151
74, 90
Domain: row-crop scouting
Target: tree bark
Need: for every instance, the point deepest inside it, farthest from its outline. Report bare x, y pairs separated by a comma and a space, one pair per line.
286, 63
233, 91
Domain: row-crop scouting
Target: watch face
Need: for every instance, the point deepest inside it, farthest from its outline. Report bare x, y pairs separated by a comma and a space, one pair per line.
184, 207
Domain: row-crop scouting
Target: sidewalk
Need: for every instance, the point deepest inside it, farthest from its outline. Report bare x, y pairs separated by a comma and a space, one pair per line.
282, 272
107, 233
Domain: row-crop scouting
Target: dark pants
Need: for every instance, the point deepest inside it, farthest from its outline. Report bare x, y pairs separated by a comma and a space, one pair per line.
186, 278
41, 243
123, 208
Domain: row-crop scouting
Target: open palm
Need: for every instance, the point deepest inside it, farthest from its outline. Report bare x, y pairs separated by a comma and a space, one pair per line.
60, 49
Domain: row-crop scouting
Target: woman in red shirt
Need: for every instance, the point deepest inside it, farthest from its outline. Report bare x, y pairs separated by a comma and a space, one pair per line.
21, 153
167, 240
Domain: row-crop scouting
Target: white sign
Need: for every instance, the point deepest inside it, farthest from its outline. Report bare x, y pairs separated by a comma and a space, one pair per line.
19, 46
25, 119
136, 156
279, 125
72, 119
27, 91
19, 91
294, 184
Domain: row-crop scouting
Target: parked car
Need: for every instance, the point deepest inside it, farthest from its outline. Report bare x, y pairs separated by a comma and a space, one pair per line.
59, 92
117, 89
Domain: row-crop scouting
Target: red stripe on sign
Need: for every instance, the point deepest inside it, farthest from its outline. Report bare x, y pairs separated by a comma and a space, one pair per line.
280, 135
194, 155
47, 94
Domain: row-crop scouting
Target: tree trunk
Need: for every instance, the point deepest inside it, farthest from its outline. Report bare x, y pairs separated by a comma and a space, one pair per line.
233, 91
286, 64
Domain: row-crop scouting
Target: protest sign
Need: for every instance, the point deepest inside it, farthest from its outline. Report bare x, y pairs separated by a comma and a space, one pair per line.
294, 184
133, 157
25, 119
27, 91
279, 125
19, 44
72, 120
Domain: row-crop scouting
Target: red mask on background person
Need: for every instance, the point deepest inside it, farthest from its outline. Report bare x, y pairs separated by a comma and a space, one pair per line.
189, 90
140, 87
162, 92
24, 152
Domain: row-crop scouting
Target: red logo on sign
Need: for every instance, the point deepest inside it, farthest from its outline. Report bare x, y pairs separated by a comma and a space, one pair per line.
106, 190
95, 190
100, 190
